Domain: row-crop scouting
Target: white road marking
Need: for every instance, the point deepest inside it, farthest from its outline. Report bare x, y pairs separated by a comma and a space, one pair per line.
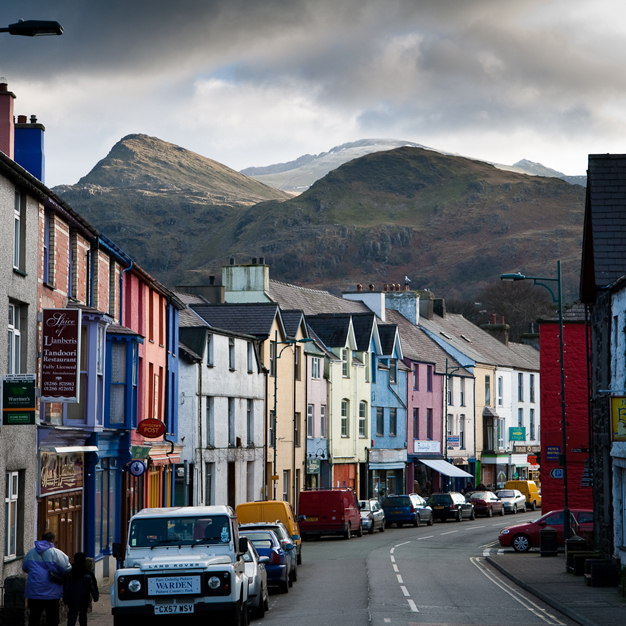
393, 559
405, 591
401, 544
524, 601
489, 545
473, 527
395, 568
399, 577
387, 619
450, 532
412, 605
392, 549
500, 551
427, 537
487, 552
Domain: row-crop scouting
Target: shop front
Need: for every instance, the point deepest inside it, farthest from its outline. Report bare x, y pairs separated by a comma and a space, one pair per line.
444, 476
386, 472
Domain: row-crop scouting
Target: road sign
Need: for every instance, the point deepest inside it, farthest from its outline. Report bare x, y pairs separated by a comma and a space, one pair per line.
580, 449
556, 473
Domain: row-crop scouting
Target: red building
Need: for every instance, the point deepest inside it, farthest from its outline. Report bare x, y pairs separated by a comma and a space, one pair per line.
576, 410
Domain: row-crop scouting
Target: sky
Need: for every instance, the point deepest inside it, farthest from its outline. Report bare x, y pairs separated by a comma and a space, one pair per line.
256, 82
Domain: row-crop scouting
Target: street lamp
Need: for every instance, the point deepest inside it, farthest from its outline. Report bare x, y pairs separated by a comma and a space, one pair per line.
449, 372
286, 344
558, 300
33, 28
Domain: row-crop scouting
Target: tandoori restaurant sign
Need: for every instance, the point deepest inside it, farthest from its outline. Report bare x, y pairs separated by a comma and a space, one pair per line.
60, 472
60, 355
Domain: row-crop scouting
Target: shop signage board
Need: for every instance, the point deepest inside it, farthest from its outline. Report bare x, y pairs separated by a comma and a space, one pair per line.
18, 399
387, 455
618, 418
454, 441
312, 466
517, 433
151, 428
553, 453
60, 472
60, 355
426, 446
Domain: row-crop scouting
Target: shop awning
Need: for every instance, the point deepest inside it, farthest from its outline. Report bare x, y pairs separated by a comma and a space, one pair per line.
68, 449
443, 467
386, 466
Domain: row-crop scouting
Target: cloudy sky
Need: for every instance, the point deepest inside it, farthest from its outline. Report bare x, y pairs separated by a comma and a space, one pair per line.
255, 82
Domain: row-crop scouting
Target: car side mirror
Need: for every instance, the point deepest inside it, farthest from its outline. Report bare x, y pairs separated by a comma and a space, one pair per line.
116, 550
296, 537
289, 546
243, 544
302, 518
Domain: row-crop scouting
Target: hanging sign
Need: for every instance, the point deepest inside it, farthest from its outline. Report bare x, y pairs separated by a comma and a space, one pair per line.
137, 468
151, 428
18, 399
618, 418
60, 355
312, 466
517, 433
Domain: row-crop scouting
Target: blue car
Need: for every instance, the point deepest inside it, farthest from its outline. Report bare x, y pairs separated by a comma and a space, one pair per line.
411, 509
278, 567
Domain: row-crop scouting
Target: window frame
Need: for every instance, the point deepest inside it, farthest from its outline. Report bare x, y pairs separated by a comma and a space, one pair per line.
315, 368
345, 417
520, 387
250, 354
323, 422
232, 438
380, 421
297, 419
393, 421
209, 413
429, 378
250, 421
11, 514
416, 422
14, 346
209, 349
310, 416
362, 419
231, 354
531, 387
17, 231
345, 366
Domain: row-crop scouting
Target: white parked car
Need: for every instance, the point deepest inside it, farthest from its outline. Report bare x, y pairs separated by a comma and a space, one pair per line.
372, 515
514, 501
258, 597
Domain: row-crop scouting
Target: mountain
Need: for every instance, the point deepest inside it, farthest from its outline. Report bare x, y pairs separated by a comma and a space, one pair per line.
162, 203
449, 223
297, 175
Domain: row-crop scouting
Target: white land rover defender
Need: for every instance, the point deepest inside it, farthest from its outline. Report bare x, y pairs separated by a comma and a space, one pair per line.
181, 561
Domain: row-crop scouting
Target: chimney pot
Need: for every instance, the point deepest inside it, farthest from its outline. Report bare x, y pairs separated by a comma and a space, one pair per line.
254, 260
371, 287
493, 318
232, 260
385, 287
502, 319
398, 288
261, 260
359, 287
21, 119
211, 280
4, 87
33, 119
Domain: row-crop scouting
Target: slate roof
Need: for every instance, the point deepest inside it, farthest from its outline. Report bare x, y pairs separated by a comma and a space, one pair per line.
574, 313
331, 329
363, 324
478, 344
319, 345
387, 333
188, 353
418, 346
292, 321
312, 301
250, 319
604, 231
190, 298
116, 329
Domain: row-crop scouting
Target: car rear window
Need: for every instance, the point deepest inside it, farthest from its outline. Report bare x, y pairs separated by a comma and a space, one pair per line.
397, 501
480, 495
507, 493
440, 498
364, 505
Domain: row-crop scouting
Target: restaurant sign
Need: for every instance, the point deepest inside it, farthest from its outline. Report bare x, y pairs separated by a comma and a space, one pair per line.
517, 433
60, 355
618, 418
60, 472
18, 399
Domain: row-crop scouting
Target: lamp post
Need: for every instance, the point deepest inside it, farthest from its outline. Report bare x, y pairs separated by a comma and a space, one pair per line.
33, 28
558, 300
277, 356
449, 372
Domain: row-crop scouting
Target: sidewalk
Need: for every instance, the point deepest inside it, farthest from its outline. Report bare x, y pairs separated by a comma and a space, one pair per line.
546, 578
101, 610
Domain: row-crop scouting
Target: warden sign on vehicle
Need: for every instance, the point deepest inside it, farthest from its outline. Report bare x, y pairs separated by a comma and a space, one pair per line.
173, 585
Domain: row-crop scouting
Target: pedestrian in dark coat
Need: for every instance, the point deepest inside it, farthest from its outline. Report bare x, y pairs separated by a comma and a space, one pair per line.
80, 586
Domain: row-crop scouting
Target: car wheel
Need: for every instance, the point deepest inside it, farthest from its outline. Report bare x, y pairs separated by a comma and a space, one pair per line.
283, 586
238, 618
473, 514
266, 602
521, 543
294, 577
534, 506
490, 512
259, 611
431, 520
459, 515
515, 509
417, 521
371, 530
502, 511
382, 527
290, 579
348, 533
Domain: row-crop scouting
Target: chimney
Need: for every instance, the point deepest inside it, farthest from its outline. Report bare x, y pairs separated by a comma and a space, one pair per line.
406, 287
502, 319
385, 287
212, 293
427, 299
499, 331
29, 146
359, 287
261, 260
439, 307
7, 121
372, 287
232, 260
493, 318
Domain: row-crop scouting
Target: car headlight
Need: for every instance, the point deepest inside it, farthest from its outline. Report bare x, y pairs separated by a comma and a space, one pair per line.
505, 531
214, 582
134, 586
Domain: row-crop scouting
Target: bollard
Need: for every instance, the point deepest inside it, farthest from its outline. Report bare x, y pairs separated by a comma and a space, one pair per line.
547, 541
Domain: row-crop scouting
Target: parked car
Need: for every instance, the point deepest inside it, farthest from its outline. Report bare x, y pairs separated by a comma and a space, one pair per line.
486, 503
451, 505
329, 512
529, 489
271, 511
285, 541
279, 564
410, 509
522, 537
372, 515
258, 599
513, 500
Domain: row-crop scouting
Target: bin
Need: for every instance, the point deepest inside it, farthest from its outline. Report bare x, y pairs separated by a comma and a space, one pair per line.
547, 541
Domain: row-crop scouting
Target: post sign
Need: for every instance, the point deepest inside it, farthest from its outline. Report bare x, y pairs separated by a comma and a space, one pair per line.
60, 355
18, 399
618, 418
151, 428
60, 472
517, 433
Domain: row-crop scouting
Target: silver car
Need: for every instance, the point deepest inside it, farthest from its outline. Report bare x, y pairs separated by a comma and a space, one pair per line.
372, 515
258, 597
513, 500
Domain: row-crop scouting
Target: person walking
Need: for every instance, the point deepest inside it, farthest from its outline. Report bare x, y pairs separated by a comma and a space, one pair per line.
46, 567
80, 586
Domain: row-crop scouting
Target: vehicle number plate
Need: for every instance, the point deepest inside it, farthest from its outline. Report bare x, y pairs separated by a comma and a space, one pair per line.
439, 507
172, 609
396, 512
311, 519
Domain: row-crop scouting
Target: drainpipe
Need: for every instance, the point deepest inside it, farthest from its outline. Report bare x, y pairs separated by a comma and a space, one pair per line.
200, 457
122, 292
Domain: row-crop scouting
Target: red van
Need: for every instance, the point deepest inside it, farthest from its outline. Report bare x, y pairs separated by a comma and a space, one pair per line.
329, 512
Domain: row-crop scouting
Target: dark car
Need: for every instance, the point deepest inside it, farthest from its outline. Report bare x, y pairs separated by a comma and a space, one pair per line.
486, 503
277, 568
411, 509
451, 505
280, 530
525, 536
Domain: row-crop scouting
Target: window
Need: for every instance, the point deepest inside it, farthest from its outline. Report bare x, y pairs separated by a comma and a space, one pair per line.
105, 499
393, 371
344, 363
500, 391
272, 428
209, 350
345, 431
362, 419
315, 367
231, 422
210, 421
367, 367
462, 431
310, 415
429, 378
250, 422
393, 422
449, 425
416, 377
450, 390
374, 368
231, 353
10, 514
532, 424
531, 387
380, 421
250, 357
323, 424
17, 231
76, 411
520, 417
462, 393
520, 387
296, 430
429, 424
487, 390
272, 358
208, 483
117, 410
286, 485
500, 433
100, 350
150, 315
47, 256
416, 422
71, 291
112, 284
15, 340
296, 363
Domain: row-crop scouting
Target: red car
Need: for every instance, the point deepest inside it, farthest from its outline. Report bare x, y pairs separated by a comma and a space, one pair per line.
525, 536
486, 503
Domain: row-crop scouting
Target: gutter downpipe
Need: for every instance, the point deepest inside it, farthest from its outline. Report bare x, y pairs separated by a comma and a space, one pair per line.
122, 291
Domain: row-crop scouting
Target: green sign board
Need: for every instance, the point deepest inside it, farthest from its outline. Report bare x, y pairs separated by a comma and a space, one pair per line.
18, 399
517, 433
312, 466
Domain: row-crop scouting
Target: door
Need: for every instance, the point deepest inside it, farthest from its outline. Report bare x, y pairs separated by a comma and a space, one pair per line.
232, 494
62, 514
